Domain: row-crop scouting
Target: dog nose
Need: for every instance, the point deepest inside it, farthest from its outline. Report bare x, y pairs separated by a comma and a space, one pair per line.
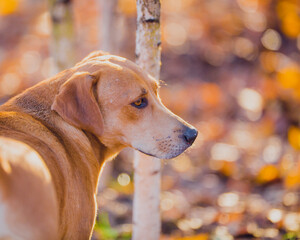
190, 135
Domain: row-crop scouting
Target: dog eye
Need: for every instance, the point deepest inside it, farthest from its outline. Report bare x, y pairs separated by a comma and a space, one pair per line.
141, 103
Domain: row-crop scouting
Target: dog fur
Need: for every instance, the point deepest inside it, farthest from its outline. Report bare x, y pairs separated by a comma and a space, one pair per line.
55, 137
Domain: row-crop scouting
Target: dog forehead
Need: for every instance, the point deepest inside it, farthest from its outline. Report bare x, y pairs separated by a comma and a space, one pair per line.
119, 87
127, 64
114, 67
120, 78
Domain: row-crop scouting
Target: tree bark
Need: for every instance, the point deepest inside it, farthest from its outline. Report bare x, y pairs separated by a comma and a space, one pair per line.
63, 45
146, 210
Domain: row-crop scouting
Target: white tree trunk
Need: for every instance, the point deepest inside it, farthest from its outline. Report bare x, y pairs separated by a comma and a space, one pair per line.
146, 204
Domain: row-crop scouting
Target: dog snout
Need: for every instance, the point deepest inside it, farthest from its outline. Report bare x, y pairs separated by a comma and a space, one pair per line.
189, 135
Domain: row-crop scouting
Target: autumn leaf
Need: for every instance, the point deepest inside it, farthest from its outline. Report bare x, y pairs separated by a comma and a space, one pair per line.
289, 77
202, 236
294, 137
267, 173
211, 95
292, 179
228, 168
291, 25
290, 20
8, 7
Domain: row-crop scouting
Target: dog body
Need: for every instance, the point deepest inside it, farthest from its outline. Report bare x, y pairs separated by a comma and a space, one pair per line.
55, 137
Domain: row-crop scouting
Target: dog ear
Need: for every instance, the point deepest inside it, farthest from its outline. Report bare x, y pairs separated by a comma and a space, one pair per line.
76, 103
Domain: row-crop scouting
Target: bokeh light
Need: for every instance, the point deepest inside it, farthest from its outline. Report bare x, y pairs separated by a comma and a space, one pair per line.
292, 221
275, 215
271, 40
222, 151
250, 100
244, 48
255, 21
228, 199
175, 34
248, 5
123, 179
30, 62
10, 83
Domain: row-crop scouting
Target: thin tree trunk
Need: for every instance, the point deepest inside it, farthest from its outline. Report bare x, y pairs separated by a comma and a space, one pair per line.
108, 25
63, 45
146, 210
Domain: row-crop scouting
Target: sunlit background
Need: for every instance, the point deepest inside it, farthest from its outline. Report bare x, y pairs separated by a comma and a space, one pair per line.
231, 68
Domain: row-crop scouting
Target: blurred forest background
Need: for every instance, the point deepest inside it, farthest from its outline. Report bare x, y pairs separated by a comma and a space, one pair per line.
229, 67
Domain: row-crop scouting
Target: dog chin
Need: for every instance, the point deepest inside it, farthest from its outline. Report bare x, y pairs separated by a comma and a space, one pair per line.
149, 154
169, 155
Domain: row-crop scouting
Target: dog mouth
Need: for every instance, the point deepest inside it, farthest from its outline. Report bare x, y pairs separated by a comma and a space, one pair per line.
149, 154
172, 153
176, 151
172, 146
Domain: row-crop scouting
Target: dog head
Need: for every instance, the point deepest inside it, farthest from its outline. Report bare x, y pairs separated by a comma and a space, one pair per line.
117, 101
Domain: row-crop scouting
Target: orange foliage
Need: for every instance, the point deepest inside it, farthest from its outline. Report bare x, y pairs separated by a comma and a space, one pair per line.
210, 94
294, 137
127, 7
289, 77
269, 60
288, 12
211, 130
269, 88
227, 168
292, 179
267, 174
226, 218
8, 7
202, 236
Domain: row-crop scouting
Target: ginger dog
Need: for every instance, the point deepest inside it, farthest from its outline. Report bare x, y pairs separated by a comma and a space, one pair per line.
55, 137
